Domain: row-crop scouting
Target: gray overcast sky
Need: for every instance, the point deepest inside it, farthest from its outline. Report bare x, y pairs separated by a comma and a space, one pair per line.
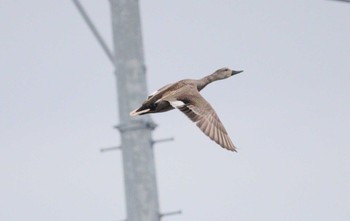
288, 113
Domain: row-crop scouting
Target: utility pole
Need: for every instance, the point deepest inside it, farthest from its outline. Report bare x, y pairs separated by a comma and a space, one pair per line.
136, 133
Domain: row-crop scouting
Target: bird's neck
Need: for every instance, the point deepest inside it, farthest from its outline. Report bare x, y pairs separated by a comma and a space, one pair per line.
205, 81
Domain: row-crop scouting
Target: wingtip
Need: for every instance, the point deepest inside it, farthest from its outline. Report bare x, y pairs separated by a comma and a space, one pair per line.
228, 145
233, 148
230, 148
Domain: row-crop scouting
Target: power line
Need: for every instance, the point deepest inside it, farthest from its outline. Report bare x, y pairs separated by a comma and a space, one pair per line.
94, 31
347, 1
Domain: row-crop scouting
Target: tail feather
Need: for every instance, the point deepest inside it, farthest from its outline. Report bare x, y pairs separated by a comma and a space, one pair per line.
139, 112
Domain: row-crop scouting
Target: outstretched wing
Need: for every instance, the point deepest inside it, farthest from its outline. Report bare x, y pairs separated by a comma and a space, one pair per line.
195, 107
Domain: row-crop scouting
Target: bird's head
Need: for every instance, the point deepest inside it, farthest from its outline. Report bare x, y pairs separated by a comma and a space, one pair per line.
223, 73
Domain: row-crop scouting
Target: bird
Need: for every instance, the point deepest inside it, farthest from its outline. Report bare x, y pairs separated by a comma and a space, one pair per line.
184, 95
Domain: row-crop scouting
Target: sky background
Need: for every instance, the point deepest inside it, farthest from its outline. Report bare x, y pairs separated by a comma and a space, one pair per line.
288, 112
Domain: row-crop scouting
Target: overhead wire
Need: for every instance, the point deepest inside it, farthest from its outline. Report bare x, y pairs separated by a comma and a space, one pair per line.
94, 31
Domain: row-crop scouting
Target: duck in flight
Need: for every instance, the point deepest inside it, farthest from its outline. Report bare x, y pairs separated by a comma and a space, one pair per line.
184, 95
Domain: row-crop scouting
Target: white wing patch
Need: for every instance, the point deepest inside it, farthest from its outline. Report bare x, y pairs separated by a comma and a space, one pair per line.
177, 103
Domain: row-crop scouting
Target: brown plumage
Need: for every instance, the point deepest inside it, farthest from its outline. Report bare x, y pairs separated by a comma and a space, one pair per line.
184, 95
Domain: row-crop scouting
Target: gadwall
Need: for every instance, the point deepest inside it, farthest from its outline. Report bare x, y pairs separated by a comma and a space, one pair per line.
184, 95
